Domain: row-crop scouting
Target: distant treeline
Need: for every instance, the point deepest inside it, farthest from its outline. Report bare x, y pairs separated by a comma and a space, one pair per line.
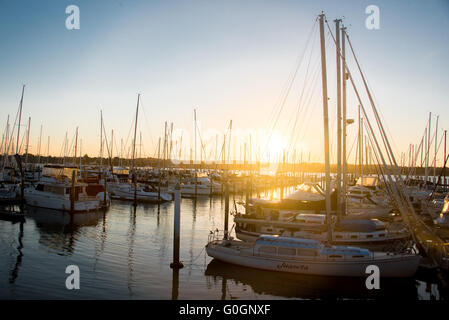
235, 165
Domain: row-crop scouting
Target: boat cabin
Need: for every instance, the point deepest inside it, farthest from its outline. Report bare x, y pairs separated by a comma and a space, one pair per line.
295, 247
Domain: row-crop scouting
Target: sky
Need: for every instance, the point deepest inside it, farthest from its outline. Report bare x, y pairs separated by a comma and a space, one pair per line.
229, 60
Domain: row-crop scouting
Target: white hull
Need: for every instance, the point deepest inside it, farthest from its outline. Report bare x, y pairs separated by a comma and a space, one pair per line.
190, 190
59, 202
126, 192
141, 196
390, 266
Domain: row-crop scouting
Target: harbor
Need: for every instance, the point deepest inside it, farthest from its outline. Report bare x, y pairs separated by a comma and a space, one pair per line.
126, 254
126, 188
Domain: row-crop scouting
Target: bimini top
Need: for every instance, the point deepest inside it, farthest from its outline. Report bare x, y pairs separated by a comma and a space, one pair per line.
287, 242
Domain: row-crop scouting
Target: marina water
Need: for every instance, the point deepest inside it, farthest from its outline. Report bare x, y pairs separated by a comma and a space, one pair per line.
125, 253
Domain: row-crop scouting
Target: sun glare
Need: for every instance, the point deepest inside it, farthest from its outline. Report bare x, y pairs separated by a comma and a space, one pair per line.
276, 146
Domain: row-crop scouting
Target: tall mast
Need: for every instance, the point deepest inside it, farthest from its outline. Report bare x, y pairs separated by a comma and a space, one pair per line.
171, 141
76, 145
194, 130
360, 146
48, 149
65, 148
39, 147
158, 152
101, 138
428, 150
20, 119
134, 151
164, 150
196, 175
444, 158
135, 133
81, 144
28, 140
345, 165
435, 158
230, 135
337, 33
7, 144
326, 128
121, 151
140, 147
112, 149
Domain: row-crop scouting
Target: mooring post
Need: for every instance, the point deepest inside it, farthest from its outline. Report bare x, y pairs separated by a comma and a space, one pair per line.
177, 226
247, 195
105, 188
226, 221
159, 187
211, 186
72, 193
175, 284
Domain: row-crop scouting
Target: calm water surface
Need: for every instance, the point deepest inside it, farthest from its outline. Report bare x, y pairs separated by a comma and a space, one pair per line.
125, 253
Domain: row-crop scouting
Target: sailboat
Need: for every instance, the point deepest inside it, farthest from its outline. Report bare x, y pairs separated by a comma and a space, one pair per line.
306, 256
122, 189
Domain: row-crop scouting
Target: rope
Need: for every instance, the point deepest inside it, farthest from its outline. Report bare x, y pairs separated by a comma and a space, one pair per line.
289, 86
194, 259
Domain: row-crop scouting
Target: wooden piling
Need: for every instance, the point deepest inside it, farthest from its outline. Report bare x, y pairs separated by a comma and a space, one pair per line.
72, 192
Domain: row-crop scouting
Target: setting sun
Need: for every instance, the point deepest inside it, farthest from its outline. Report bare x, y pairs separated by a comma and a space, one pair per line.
275, 146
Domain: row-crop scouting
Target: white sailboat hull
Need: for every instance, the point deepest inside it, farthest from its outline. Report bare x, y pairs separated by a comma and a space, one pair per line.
401, 266
59, 202
190, 190
127, 193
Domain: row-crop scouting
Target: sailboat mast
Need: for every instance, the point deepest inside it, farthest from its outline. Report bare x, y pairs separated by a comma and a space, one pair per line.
39, 147
48, 149
444, 157
195, 171
326, 127
28, 140
134, 151
20, 119
337, 33
343, 93
360, 146
7, 144
112, 150
76, 145
101, 138
435, 157
428, 150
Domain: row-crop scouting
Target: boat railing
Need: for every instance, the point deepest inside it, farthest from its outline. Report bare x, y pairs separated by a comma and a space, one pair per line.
216, 235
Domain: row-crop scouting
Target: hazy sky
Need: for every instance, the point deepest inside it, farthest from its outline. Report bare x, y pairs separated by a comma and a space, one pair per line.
228, 59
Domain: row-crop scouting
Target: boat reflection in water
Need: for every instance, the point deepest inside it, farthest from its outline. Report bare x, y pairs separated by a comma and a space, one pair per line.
59, 230
298, 286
